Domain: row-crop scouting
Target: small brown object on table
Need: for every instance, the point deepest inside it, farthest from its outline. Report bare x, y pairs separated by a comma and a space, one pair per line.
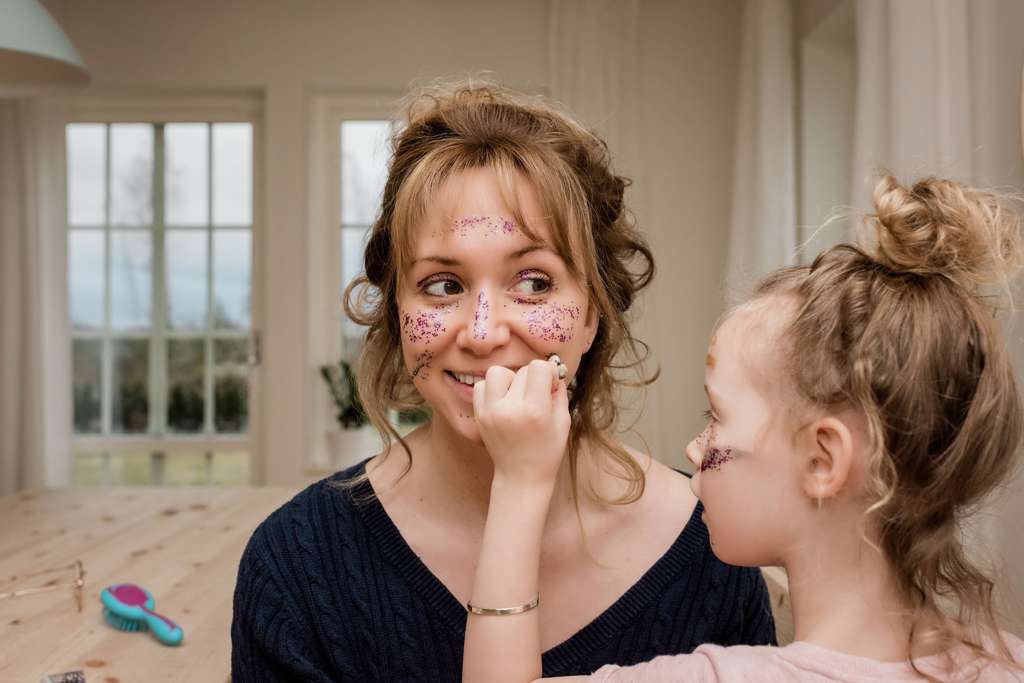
182, 544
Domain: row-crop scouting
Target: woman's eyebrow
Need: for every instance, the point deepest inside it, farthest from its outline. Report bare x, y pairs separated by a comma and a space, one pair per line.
443, 260
518, 253
536, 246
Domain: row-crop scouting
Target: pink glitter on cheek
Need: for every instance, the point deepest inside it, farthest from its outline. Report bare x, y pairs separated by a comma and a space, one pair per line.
483, 309
551, 322
425, 324
715, 458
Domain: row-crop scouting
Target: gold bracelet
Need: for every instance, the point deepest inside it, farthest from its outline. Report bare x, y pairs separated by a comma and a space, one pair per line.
502, 611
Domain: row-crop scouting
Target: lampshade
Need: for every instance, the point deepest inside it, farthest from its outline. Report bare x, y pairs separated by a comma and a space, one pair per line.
34, 49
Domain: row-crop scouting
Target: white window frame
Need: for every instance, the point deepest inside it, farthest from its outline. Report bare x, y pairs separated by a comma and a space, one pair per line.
117, 108
327, 112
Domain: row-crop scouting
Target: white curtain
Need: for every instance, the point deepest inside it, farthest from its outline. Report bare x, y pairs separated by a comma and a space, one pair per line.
913, 92
593, 60
763, 231
34, 350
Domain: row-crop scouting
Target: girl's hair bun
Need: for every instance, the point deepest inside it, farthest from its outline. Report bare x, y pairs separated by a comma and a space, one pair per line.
941, 227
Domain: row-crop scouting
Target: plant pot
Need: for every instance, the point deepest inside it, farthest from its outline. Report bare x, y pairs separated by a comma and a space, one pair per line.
346, 447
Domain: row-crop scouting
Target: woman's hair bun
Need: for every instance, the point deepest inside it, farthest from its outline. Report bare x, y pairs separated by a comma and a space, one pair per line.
941, 227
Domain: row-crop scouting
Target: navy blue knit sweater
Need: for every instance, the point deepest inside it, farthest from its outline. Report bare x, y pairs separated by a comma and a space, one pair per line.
328, 590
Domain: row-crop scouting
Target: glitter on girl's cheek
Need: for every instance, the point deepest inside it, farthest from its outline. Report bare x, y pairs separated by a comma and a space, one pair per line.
480, 317
715, 458
551, 322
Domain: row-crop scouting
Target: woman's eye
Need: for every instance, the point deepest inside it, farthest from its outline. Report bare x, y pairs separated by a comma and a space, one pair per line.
532, 285
443, 288
709, 416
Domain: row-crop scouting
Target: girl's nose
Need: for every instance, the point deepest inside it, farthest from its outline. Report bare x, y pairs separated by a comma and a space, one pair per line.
695, 451
486, 328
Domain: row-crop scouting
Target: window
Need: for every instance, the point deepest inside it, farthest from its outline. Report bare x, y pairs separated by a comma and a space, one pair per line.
159, 257
364, 165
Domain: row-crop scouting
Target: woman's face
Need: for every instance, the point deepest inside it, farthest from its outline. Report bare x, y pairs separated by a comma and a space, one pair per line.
479, 292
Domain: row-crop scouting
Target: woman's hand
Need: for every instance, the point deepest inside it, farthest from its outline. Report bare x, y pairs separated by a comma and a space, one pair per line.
524, 421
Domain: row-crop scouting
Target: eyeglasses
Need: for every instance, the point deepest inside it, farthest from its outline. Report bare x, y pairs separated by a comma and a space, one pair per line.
76, 586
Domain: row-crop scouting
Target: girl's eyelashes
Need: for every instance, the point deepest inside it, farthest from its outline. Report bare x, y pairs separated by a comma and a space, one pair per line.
440, 285
709, 416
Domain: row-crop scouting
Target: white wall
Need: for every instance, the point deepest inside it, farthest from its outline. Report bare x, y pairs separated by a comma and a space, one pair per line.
689, 64
287, 52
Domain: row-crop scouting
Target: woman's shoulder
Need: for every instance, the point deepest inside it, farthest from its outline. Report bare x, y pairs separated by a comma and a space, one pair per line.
330, 503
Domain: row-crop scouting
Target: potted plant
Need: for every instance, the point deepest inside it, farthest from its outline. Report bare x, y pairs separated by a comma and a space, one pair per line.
355, 439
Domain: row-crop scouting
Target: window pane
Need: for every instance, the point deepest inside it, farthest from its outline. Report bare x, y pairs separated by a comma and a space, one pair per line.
353, 242
186, 278
131, 157
230, 469
232, 174
187, 173
131, 469
364, 159
185, 397
185, 469
231, 387
87, 152
85, 278
87, 469
86, 390
130, 385
131, 255
231, 282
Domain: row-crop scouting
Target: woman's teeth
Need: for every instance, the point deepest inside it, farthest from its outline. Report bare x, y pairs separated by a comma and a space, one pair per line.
467, 379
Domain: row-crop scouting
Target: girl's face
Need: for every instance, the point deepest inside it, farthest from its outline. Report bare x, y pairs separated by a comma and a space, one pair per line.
479, 293
745, 475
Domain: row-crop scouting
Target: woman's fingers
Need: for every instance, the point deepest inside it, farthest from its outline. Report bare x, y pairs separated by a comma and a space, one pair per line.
496, 383
542, 380
517, 390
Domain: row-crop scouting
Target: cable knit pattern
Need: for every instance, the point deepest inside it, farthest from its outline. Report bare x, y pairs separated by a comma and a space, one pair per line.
328, 590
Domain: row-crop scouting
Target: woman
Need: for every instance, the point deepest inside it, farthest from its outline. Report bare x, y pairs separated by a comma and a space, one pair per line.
502, 239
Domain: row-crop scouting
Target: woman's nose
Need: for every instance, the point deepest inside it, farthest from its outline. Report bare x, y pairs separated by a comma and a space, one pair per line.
486, 328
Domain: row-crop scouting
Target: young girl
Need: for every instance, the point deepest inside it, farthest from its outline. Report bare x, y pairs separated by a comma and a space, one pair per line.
859, 407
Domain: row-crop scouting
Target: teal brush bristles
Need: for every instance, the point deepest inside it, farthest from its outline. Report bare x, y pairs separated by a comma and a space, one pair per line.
122, 623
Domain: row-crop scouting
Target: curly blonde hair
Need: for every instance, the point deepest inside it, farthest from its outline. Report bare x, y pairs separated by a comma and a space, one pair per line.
454, 128
903, 327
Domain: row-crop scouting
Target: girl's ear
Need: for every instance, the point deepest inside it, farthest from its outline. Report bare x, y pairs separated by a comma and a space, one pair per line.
826, 459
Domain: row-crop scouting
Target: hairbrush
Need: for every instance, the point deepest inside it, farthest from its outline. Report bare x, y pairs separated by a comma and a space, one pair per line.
128, 607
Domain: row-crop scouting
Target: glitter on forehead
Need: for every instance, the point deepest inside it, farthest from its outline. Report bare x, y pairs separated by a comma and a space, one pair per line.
551, 322
488, 226
480, 317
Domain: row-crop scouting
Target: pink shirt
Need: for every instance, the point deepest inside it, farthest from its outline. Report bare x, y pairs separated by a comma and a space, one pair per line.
798, 661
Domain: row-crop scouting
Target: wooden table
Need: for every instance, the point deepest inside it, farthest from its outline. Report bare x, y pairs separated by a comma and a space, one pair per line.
182, 544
